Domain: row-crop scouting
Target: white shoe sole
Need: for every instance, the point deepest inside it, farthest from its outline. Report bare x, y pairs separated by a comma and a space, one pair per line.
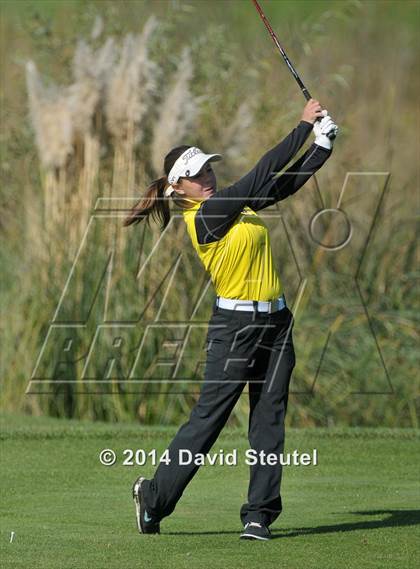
252, 536
136, 491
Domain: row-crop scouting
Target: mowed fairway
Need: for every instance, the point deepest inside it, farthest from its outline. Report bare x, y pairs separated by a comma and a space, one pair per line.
359, 508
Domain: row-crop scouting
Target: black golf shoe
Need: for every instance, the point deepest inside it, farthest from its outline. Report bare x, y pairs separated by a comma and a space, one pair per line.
255, 530
145, 524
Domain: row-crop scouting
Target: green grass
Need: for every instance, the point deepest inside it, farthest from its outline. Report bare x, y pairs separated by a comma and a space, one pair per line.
357, 508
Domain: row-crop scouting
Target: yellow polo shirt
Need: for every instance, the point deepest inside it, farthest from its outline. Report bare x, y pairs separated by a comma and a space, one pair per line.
241, 263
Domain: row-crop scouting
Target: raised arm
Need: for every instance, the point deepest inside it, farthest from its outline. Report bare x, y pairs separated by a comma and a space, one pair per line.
217, 213
292, 179
299, 173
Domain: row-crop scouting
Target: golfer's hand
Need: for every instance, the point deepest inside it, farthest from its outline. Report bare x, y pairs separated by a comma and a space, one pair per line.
325, 131
312, 111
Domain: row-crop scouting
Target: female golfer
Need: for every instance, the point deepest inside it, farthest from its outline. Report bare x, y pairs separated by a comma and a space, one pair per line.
249, 338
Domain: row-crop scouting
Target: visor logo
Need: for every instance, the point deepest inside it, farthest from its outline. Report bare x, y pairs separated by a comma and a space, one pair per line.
190, 153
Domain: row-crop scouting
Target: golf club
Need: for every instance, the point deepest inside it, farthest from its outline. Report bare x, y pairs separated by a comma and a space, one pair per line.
286, 59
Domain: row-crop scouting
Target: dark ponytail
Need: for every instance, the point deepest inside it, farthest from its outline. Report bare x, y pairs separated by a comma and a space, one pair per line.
154, 203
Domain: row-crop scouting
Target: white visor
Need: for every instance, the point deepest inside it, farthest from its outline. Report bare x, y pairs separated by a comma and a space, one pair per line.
189, 164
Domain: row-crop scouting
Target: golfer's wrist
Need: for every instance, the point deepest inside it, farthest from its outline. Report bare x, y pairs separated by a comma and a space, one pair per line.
305, 125
323, 141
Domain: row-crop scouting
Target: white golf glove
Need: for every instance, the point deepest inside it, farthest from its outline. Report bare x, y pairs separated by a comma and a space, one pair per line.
325, 131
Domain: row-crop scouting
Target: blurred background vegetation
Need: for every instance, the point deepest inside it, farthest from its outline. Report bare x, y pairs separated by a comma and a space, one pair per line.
92, 96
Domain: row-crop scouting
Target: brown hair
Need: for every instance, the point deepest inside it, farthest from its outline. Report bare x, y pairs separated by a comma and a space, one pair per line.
154, 203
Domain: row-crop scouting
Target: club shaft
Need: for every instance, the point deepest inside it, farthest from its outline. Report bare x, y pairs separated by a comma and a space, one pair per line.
283, 53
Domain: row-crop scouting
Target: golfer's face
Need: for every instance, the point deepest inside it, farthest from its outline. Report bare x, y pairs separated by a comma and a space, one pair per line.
201, 186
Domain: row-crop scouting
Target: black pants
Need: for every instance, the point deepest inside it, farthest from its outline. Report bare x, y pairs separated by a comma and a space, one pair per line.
253, 347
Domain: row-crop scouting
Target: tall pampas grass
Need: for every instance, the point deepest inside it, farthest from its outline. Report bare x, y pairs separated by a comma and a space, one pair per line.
130, 86
112, 89
129, 91
92, 69
178, 112
51, 118
62, 118
95, 65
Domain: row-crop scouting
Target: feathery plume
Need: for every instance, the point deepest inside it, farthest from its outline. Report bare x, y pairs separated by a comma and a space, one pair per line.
94, 65
130, 86
177, 113
51, 118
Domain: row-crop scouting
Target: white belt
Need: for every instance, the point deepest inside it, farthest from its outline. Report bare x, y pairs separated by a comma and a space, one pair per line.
250, 305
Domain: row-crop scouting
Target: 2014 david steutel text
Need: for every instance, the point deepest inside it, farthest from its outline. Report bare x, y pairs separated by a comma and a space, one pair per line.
249, 457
